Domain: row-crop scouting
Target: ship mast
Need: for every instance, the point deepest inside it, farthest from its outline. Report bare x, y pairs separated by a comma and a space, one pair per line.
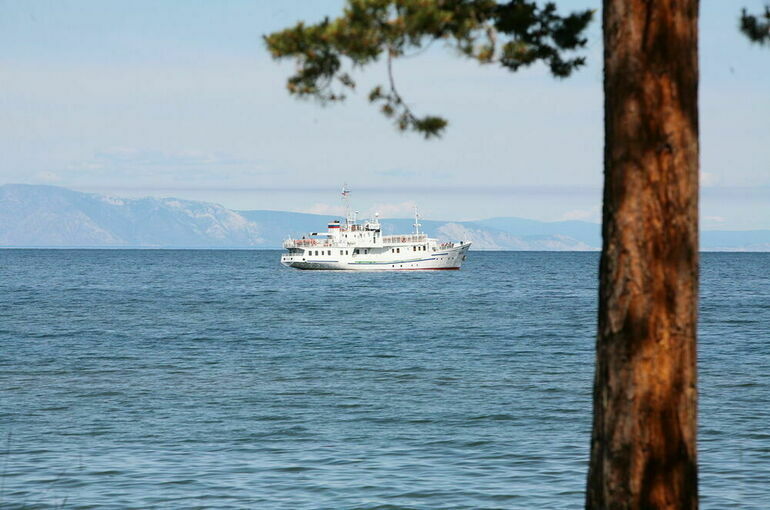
417, 224
346, 201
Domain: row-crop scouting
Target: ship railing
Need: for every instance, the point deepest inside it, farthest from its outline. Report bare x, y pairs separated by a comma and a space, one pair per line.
307, 243
445, 246
412, 238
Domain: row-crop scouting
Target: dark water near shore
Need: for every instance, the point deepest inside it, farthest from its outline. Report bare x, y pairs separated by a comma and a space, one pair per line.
216, 379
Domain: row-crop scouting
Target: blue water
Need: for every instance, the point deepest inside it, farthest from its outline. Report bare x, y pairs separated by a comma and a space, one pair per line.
219, 379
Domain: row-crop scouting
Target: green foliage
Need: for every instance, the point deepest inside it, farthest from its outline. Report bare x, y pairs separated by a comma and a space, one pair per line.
754, 28
513, 34
541, 34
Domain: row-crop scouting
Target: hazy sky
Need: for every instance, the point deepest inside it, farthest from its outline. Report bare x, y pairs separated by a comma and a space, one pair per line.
180, 98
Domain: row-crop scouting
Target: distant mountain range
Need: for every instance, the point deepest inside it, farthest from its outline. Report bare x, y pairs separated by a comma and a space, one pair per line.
50, 216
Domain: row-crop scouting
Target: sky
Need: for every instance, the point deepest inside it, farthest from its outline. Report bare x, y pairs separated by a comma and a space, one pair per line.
179, 98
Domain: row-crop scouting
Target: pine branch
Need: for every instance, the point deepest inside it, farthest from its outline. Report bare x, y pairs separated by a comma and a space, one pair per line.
754, 28
514, 34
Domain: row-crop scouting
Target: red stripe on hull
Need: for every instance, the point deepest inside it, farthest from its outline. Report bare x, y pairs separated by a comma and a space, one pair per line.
427, 269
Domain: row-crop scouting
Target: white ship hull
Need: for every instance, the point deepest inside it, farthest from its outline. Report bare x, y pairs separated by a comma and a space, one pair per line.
379, 260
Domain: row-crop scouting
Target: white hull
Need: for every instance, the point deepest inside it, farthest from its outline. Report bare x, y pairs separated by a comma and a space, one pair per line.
448, 258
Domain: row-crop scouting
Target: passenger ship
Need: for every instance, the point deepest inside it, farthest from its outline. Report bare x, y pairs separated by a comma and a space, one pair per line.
350, 245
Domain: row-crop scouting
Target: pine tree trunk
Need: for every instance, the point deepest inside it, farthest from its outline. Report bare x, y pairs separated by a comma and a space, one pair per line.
643, 449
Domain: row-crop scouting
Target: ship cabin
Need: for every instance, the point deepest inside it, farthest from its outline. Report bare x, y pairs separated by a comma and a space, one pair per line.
350, 239
349, 244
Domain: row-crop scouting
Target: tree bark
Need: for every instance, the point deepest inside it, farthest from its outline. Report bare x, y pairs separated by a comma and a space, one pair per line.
643, 447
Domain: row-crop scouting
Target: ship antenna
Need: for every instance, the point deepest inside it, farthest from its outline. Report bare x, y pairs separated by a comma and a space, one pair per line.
416, 221
346, 201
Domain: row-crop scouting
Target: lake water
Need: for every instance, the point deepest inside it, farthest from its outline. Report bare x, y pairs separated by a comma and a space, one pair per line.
219, 379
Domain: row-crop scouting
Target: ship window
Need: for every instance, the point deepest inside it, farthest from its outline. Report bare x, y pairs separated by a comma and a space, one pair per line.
414, 248
366, 252
355, 252
398, 250
329, 252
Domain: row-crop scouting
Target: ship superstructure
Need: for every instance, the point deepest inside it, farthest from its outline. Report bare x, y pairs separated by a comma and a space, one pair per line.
350, 245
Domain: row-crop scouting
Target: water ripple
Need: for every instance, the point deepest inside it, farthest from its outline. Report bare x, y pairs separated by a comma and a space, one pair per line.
218, 379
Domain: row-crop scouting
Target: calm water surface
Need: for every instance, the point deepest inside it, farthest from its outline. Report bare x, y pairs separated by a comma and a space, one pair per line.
219, 379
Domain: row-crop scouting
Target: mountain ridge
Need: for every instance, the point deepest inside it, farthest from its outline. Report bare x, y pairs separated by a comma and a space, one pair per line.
56, 217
